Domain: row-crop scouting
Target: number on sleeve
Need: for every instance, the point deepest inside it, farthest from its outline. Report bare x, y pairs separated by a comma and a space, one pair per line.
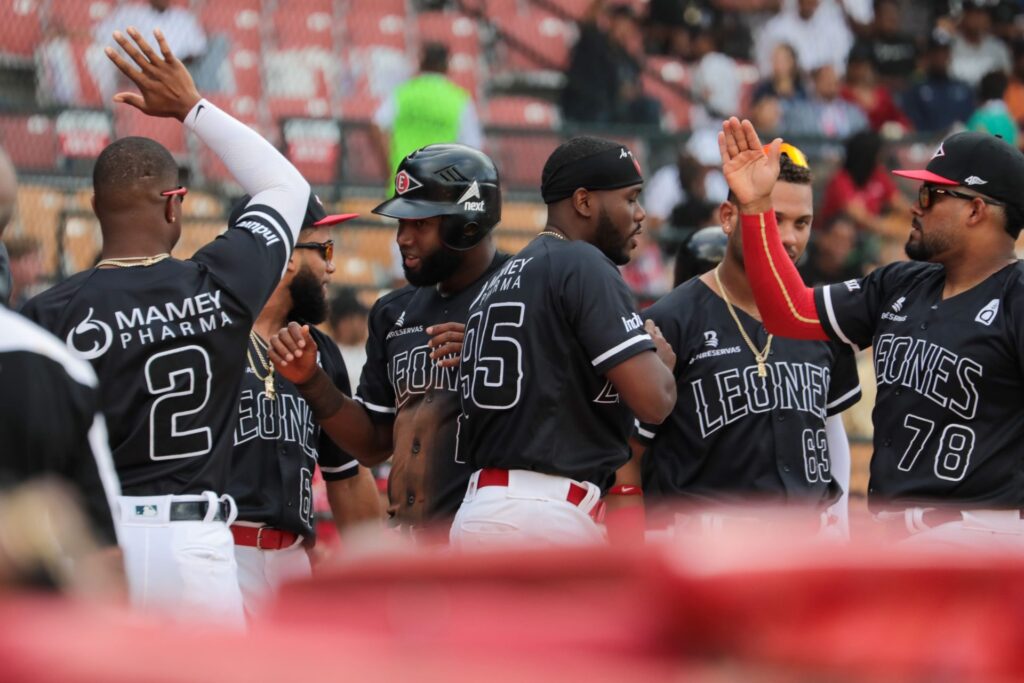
180, 379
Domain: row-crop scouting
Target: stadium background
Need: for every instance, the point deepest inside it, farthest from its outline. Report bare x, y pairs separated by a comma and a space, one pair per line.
309, 74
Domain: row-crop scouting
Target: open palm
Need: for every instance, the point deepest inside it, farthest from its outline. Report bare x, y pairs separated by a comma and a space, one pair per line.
749, 170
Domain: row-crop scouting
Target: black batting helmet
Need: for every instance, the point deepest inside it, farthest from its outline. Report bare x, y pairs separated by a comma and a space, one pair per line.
456, 182
703, 250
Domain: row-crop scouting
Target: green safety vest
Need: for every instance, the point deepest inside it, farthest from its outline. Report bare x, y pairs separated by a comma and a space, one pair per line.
427, 111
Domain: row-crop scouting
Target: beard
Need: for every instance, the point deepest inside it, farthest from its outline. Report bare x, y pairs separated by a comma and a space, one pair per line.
434, 268
923, 248
309, 304
610, 241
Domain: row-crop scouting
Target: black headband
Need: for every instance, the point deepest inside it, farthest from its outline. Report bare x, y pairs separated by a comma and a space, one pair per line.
607, 170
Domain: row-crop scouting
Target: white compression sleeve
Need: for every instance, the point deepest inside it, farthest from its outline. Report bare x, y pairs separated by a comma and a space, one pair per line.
261, 170
839, 453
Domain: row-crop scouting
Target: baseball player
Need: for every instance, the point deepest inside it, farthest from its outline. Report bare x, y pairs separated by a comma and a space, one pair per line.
166, 337
278, 443
556, 361
447, 200
757, 419
947, 330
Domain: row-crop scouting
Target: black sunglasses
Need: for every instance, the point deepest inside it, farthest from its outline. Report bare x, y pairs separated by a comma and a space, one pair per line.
326, 248
926, 196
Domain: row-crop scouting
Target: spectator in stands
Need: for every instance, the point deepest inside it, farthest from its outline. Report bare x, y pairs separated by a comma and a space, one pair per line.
27, 269
937, 101
825, 113
180, 26
716, 77
875, 100
695, 211
817, 29
605, 68
348, 318
766, 115
428, 108
665, 190
786, 81
992, 116
894, 52
1015, 89
976, 51
863, 190
832, 253
8, 199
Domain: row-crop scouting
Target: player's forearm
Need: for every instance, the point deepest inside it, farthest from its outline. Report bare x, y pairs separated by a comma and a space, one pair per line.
354, 500
786, 304
259, 168
342, 419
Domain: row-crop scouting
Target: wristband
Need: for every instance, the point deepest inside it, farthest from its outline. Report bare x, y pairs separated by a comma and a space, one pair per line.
625, 490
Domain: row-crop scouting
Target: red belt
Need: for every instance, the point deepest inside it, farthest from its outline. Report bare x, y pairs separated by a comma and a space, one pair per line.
263, 537
490, 476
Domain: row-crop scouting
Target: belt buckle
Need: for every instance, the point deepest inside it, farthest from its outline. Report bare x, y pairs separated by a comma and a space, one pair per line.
259, 538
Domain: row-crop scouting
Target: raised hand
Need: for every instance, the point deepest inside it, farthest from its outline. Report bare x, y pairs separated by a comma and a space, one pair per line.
165, 84
293, 352
749, 170
446, 343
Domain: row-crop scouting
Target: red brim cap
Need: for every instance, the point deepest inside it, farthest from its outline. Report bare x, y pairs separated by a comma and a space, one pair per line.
336, 218
926, 176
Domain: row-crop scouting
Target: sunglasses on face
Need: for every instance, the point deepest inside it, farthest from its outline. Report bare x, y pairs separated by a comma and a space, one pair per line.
178, 192
926, 196
795, 155
326, 248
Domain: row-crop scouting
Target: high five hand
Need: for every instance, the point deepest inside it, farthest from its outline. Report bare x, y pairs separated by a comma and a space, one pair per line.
750, 172
165, 84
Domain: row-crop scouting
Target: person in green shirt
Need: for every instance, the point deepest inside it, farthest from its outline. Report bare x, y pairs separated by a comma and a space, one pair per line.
427, 109
993, 116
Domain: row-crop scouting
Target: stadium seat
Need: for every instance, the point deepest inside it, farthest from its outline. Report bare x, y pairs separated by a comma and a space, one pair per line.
461, 35
82, 134
168, 132
520, 158
20, 29
536, 41
300, 24
514, 111
239, 20
314, 147
361, 159
300, 82
77, 17
30, 140
668, 80
570, 8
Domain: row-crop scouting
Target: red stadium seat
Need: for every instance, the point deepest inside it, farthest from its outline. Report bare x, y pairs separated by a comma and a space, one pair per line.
77, 17
303, 24
362, 161
314, 147
20, 29
300, 82
520, 158
521, 112
31, 141
82, 134
669, 86
358, 8
238, 19
546, 40
459, 32
168, 132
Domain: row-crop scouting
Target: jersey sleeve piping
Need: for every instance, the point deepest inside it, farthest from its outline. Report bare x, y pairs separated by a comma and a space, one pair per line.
843, 402
826, 297
374, 407
644, 433
620, 347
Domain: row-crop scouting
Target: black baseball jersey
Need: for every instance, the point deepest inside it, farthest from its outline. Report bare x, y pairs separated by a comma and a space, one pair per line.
949, 417
168, 344
734, 435
50, 423
540, 337
278, 444
401, 385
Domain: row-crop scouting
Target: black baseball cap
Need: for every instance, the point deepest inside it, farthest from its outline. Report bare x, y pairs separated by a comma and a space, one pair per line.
316, 215
985, 163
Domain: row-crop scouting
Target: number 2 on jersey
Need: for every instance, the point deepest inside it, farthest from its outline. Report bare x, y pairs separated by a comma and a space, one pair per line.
180, 379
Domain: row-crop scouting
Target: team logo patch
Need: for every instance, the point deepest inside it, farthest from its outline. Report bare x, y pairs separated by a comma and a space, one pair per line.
852, 285
400, 321
405, 182
626, 154
90, 330
940, 152
974, 180
988, 314
898, 304
632, 323
711, 339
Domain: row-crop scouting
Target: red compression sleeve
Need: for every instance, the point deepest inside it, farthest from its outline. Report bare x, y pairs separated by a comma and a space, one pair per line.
785, 302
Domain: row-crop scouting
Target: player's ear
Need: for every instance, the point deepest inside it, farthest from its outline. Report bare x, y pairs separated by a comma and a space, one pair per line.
92, 203
727, 213
583, 202
293, 262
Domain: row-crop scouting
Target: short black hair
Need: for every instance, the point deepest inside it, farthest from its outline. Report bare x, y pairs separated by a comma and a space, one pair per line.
128, 160
574, 149
435, 57
343, 304
993, 86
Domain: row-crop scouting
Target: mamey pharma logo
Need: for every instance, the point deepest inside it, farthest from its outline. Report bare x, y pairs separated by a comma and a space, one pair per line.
96, 331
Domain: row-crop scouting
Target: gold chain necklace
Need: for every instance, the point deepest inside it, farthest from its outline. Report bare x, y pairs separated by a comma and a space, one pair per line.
553, 234
760, 356
133, 261
268, 379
